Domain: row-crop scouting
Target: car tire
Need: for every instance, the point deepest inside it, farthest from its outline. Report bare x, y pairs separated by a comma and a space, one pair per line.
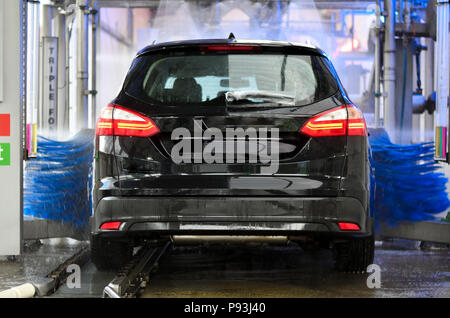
354, 255
109, 254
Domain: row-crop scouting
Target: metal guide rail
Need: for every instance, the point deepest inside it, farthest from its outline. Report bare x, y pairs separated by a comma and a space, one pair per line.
133, 277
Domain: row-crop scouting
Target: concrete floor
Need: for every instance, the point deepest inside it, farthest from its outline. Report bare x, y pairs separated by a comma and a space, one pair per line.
281, 272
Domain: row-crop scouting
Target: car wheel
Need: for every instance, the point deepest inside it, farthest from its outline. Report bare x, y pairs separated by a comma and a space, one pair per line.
109, 254
354, 255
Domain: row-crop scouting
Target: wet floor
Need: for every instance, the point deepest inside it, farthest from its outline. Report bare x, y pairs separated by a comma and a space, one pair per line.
292, 272
270, 271
37, 261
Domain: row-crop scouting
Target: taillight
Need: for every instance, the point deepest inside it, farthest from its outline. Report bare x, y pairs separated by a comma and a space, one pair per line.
344, 226
119, 121
110, 226
356, 122
340, 121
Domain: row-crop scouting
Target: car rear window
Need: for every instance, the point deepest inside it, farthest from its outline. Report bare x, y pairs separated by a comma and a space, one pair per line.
278, 79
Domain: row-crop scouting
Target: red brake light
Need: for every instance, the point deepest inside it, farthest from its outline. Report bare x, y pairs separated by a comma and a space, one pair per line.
110, 226
340, 121
348, 226
356, 122
231, 48
125, 123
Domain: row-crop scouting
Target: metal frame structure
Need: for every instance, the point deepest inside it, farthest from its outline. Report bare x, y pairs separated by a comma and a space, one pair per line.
320, 4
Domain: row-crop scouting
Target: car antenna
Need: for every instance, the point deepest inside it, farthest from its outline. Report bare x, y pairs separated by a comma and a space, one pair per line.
231, 37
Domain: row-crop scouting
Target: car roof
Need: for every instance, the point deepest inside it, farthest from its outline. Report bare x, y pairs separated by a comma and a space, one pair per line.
268, 43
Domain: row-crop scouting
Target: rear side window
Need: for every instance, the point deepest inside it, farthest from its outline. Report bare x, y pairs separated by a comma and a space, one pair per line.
230, 78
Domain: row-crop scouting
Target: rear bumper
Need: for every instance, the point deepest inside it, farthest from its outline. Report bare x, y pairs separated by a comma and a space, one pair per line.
168, 215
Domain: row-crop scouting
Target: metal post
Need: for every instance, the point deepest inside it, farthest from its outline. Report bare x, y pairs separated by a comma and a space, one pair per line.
82, 64
94, 12
389, 67
429, 88
60, 31
32, 64
442, 79
47, 20
70, 17
404, 69
377, 66
46, 31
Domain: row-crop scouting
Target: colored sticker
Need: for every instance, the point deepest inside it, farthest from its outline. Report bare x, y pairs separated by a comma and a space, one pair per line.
441, 143
5, 154
5, 125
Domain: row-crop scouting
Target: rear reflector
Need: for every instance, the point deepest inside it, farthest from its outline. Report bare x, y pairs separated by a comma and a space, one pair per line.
119, 121
110, 226
349, 226
340, 121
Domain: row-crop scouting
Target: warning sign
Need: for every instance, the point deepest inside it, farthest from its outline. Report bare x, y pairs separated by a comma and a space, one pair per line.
5, 154
5, 125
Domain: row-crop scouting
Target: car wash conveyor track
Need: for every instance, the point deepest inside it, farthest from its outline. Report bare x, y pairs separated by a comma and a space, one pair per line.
133, 277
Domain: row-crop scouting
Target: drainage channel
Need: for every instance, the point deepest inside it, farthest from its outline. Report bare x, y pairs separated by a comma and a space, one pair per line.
132, 279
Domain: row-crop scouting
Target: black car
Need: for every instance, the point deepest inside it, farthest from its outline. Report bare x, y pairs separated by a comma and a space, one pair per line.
232, 138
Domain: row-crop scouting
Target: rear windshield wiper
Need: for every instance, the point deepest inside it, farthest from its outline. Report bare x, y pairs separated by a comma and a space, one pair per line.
257, 97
